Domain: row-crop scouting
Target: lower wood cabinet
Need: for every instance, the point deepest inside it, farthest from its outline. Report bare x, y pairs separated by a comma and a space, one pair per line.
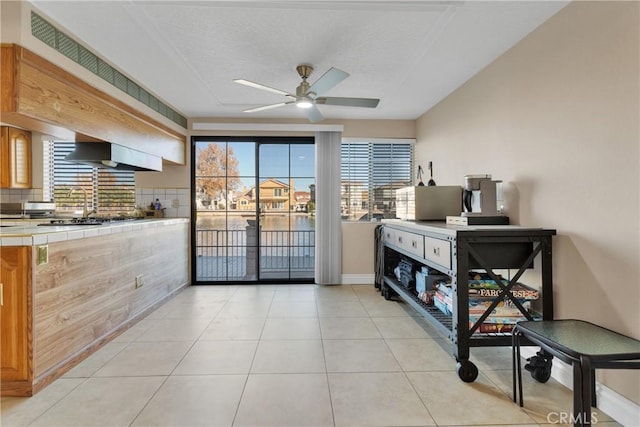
15, 318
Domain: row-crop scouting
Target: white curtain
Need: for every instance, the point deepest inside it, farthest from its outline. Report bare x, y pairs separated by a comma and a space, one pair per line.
328, 222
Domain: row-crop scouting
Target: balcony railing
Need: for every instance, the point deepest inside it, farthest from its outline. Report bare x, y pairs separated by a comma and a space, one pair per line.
233, 254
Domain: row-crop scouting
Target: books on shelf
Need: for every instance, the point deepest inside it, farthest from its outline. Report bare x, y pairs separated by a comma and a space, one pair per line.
482, 293
489, 327
443, 302
478, 306
496, 324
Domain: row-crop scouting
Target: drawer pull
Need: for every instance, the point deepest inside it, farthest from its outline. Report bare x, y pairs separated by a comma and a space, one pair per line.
414, 244
400, 239
436, 251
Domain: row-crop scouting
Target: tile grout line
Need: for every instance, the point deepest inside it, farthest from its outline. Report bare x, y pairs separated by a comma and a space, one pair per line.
246, 380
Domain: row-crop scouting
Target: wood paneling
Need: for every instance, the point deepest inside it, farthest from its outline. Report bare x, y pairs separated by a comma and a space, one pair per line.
87, 290
16, 359
85, 295
42, 92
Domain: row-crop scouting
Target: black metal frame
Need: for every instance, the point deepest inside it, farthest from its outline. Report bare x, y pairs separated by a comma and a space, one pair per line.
506, 247
258, 140
584, 366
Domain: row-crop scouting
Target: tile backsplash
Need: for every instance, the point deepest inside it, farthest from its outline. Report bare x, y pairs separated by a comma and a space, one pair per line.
8, 195
174, 200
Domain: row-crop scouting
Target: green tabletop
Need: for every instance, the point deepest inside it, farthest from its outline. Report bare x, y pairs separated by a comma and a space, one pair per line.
579, 338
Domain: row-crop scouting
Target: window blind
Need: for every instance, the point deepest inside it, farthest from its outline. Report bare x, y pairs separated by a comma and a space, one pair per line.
370, 175
109, 191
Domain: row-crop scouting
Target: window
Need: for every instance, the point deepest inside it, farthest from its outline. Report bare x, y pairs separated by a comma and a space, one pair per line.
370, 174
277, 192
109, 191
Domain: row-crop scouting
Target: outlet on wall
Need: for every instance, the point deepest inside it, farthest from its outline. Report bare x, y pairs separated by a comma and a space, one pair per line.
139, 281
175, 203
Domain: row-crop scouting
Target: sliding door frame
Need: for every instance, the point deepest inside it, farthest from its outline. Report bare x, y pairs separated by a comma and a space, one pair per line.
258, 141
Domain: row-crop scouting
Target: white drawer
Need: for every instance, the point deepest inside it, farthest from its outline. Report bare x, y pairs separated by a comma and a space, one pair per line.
410, 242
438, 251
389, 236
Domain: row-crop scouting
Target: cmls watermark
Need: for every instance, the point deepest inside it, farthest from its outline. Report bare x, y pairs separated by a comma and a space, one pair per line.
569, 418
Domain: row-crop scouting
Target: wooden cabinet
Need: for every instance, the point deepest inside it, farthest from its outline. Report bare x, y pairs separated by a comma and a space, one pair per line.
15, 158
15, 318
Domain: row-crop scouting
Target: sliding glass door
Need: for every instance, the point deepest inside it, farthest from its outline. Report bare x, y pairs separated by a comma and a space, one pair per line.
254, 210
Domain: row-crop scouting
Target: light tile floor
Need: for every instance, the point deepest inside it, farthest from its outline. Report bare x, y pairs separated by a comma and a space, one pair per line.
295, 355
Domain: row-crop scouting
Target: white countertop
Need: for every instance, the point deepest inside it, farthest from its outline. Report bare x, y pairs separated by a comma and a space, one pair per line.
28, 233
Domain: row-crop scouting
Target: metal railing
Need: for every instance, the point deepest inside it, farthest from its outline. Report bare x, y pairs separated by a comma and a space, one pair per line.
233, 254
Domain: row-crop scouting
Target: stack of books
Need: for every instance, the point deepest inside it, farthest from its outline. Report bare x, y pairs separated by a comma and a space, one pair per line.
482, 293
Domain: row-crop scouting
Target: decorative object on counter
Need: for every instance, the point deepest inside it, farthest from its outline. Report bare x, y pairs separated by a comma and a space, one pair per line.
420, 172
431, 182
155, 210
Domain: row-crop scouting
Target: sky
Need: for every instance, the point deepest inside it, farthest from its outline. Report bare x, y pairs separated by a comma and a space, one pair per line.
278, 161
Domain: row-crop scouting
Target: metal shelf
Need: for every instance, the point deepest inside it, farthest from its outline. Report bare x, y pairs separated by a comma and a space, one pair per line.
470, 248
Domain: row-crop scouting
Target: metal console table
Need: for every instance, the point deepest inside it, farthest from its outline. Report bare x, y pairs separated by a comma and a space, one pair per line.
454, 251
586, 347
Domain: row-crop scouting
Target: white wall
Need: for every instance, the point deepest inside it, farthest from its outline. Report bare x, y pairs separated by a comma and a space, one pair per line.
557, 119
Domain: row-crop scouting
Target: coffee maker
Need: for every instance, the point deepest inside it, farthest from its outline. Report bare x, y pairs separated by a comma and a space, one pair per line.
482, 196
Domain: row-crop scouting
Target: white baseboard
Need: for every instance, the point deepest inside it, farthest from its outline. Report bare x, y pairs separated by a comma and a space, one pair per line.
618, 407
358, 279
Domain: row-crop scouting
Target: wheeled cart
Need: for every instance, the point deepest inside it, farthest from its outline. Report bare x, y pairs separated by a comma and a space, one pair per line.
454, 251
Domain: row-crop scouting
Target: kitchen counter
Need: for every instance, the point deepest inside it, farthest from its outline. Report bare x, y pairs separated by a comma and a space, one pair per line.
68, 290
28, 233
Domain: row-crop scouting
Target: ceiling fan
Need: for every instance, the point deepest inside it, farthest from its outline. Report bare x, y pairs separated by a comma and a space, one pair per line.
308, 96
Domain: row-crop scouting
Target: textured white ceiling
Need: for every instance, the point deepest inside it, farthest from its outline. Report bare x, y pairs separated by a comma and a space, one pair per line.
410, 54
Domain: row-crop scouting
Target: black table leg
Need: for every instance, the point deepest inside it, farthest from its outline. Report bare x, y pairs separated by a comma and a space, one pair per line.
587, 384
513, 363
577, 395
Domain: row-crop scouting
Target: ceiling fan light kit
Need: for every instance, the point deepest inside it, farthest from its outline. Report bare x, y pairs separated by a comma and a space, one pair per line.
308, 96
304, 103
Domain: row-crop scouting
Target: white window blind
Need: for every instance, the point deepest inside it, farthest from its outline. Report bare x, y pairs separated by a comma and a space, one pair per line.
109, 191
370, 174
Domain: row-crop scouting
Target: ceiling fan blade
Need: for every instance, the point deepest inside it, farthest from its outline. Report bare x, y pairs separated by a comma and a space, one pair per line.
349, 102
268, 107
328, 80
313, 114
262, 87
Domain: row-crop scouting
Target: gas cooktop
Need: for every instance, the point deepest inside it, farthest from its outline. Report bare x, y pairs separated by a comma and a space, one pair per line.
86, 221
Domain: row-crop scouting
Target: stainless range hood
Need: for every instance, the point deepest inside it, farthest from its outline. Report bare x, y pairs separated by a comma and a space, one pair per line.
113, 156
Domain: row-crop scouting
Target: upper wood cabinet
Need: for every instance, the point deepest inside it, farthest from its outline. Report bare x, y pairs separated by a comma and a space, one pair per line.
15, 158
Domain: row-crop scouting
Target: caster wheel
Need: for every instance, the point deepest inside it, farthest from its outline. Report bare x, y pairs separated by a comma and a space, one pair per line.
467, 371
540, 367
541, 375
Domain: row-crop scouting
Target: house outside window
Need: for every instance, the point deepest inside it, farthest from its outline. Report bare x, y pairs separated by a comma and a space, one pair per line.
371, 172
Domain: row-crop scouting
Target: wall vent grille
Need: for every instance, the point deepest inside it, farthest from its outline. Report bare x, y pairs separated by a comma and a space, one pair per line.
47, 33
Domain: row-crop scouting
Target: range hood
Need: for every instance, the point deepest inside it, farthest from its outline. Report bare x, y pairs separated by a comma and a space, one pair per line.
113, 156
